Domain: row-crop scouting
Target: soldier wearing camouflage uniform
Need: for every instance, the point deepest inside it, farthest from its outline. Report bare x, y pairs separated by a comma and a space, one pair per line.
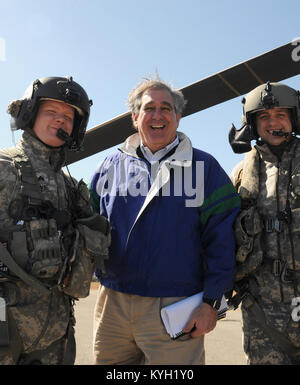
268, 227
50, 238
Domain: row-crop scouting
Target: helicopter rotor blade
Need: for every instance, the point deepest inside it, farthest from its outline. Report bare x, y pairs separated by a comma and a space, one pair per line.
275, 65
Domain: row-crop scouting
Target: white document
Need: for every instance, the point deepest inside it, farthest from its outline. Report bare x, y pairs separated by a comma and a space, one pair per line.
2, 310
176, 315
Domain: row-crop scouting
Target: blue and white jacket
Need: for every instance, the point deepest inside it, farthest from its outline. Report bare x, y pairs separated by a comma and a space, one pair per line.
171, 236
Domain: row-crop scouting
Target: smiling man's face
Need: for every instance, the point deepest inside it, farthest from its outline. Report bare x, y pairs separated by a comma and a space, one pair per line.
51, 116
275, 119
157, 120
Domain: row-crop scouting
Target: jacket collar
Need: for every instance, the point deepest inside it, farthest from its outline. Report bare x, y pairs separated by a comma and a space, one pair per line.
182, 156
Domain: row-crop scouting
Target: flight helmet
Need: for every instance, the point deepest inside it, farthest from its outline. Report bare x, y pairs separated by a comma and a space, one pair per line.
264, 97
23, 111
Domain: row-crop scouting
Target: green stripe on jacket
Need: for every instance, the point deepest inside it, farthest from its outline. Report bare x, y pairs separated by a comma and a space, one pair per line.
219, 208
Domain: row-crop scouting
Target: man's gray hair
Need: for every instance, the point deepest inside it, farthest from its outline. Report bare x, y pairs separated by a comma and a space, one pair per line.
134, 100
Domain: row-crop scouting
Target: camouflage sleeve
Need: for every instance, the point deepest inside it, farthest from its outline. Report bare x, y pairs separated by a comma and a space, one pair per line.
94, 200
83, 200
79, 196
8, 180
83, 208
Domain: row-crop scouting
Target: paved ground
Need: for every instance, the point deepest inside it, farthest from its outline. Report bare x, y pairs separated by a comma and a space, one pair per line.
223, 345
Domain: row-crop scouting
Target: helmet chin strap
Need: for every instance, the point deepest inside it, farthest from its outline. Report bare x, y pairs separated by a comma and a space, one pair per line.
288, 137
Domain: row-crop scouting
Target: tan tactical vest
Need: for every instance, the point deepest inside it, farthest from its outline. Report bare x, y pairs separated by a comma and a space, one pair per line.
268, 227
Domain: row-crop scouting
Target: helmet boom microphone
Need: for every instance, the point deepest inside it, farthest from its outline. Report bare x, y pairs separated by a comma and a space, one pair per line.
280, 133
63, 135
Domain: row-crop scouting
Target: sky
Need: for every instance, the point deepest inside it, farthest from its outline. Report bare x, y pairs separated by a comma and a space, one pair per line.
108, 46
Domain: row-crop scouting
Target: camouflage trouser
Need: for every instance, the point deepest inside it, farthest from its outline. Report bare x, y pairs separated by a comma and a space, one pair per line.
61, 352
259, 347
51, 356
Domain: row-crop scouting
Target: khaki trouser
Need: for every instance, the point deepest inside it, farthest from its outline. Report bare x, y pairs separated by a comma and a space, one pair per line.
128, 330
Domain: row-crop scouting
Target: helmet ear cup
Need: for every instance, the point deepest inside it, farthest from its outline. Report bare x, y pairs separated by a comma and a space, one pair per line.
240, 140
78, 132
295, 122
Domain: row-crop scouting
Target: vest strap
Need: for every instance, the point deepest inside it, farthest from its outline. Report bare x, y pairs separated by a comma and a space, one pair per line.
7, 259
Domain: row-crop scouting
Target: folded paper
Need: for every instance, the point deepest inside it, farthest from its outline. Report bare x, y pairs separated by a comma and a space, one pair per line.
176, 315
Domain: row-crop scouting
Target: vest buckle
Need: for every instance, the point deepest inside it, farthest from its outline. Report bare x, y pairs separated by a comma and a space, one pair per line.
272, 224
277, 267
